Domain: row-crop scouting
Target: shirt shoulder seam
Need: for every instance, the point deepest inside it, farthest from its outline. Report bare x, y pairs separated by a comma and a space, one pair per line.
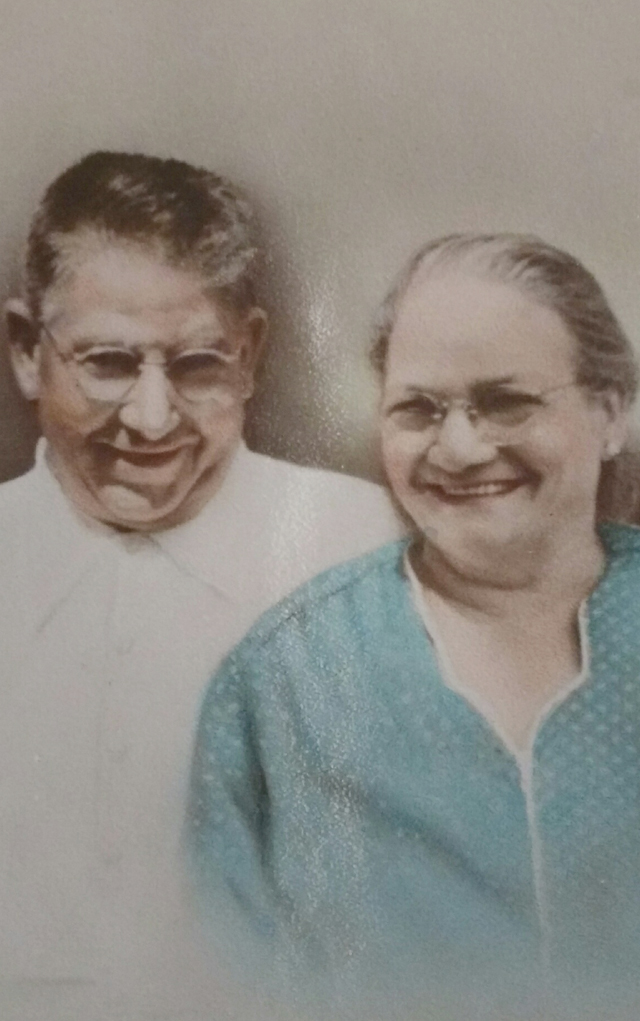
314, 592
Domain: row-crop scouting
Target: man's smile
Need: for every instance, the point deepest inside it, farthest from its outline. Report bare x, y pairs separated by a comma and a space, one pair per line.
140, 465
147, 455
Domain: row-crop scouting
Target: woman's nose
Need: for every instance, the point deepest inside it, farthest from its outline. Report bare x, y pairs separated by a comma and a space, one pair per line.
148, 407
459, 444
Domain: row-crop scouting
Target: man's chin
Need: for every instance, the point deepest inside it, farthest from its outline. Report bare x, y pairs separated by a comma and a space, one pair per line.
127, 507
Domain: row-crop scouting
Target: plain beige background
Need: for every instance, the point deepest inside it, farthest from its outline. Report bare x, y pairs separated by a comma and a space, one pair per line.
360, 128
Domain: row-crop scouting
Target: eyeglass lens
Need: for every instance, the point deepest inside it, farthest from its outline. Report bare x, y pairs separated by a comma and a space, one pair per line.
494, 414
110, 374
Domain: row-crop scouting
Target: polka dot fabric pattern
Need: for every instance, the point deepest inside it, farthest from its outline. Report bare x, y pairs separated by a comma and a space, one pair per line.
367, 824
587, 784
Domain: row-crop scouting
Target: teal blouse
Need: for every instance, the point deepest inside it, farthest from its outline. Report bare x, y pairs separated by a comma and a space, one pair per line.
361, 828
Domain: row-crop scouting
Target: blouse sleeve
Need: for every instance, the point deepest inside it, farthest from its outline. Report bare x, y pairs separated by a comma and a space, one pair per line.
227, 816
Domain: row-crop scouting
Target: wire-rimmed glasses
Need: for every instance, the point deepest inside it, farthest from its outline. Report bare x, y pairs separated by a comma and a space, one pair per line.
108, 372
499, 415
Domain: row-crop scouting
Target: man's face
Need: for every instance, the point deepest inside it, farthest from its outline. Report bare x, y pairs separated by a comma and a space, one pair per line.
151, 457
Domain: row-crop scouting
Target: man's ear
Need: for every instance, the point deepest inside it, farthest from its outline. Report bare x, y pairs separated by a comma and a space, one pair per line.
256, 327
24, 349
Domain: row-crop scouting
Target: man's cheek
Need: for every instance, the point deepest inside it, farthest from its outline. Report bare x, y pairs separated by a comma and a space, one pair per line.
221, 421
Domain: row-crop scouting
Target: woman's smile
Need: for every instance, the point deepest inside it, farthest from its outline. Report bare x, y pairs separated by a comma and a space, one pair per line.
467, 492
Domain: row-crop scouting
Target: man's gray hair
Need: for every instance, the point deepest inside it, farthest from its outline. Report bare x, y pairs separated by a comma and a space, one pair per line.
545, 274
190, 216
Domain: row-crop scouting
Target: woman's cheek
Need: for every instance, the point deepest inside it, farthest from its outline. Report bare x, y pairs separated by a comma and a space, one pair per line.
400, 457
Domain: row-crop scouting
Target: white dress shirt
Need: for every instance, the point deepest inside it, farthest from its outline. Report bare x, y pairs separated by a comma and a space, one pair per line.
107, 641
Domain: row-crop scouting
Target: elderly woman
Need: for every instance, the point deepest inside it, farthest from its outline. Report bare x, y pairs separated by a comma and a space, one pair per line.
420, 774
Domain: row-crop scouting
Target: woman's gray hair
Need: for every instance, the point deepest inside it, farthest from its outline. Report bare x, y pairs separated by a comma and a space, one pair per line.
547, 275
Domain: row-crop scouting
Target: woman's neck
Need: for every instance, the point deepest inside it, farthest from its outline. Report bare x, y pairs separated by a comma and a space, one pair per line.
507, 631
563, 571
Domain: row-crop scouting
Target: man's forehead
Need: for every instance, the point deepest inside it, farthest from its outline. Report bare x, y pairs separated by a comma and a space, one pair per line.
95, 268
127, 290
103, 325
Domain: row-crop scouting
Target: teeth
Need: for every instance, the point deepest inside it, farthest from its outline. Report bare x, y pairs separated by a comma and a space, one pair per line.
486, 489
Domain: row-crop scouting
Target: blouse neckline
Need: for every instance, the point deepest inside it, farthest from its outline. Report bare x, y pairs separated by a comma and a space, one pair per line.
521, 751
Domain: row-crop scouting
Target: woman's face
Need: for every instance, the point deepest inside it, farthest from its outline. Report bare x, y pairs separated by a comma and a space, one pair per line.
475, 486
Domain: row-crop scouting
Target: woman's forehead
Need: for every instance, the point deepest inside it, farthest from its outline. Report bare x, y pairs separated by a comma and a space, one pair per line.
460, 326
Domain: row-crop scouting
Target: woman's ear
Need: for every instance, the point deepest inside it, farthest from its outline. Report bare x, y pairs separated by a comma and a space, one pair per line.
617, 424
24, 349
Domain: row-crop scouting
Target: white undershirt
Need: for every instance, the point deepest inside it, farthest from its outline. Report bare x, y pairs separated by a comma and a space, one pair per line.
520, 750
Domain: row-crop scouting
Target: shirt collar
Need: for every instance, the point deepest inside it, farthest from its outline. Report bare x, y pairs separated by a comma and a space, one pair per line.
211, 547
221, 543
65, 543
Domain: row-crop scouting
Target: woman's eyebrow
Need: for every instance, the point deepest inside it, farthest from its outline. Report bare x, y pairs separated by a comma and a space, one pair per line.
429, 391
495, 382
498, 383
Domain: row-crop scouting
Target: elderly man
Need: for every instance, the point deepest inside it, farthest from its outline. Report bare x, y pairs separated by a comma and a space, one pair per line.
137, 551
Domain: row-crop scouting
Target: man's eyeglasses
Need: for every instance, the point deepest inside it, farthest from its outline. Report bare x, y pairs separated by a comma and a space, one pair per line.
108, 373
498, 415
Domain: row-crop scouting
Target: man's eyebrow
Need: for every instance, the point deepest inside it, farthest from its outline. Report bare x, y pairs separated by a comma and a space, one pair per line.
203, 336
86, 341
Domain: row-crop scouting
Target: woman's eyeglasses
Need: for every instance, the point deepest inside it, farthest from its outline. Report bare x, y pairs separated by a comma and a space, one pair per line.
108, 373
498, 415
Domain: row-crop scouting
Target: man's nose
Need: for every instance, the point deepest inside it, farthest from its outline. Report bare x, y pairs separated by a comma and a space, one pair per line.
148, 407
459, 444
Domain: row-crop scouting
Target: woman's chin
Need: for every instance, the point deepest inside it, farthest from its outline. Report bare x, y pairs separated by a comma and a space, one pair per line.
491, 544
494, 517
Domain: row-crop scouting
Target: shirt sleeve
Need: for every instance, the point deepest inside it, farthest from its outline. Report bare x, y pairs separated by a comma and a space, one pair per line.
227, 813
